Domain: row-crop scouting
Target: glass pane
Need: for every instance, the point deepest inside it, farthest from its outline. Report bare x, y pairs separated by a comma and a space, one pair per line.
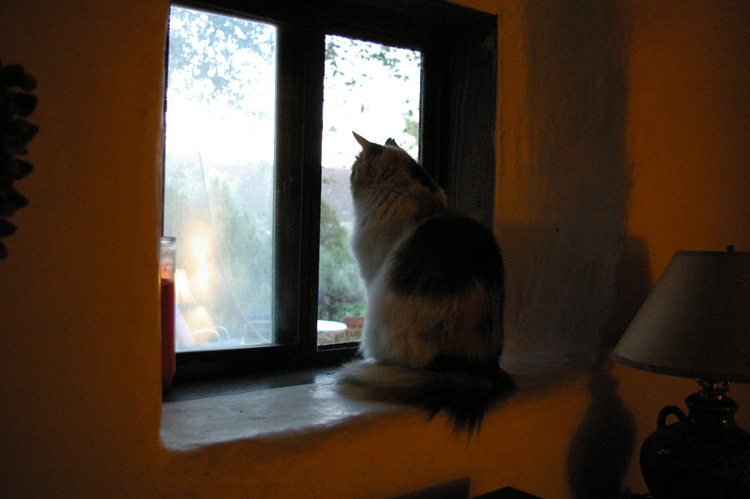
374, 90
219, 177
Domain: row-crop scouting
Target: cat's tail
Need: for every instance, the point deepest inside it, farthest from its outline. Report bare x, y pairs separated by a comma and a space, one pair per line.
465, 391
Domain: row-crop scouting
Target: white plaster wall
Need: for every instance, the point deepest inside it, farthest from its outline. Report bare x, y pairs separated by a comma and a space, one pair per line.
563, 178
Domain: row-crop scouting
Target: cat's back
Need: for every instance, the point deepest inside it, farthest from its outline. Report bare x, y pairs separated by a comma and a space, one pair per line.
446, 255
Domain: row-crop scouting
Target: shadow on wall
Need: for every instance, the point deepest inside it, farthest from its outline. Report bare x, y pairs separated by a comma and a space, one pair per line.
562, 263
602, 447
574, 280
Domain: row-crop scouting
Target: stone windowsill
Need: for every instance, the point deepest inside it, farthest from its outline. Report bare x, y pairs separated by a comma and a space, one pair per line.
313, 406
190, 424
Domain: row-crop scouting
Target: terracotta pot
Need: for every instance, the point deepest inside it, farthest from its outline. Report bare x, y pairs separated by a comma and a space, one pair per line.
354, 322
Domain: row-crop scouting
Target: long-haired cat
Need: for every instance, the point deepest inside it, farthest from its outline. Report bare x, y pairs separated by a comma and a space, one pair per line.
433, 331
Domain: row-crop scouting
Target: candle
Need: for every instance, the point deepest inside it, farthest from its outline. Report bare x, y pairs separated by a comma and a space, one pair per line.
166, 276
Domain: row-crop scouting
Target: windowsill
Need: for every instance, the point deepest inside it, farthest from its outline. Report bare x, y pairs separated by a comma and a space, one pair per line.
291, 439
217, 419
198, 389
278, 406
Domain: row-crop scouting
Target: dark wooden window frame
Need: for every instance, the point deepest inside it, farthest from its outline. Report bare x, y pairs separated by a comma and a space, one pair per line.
459, 48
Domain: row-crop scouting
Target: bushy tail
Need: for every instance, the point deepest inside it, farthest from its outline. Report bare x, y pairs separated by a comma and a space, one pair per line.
465, 396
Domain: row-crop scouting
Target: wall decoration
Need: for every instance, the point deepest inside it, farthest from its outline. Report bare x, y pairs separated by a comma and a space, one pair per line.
16, 103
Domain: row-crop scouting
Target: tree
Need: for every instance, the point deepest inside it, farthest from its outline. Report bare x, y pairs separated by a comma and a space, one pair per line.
340, 289
245, 250
216, 57
359, 68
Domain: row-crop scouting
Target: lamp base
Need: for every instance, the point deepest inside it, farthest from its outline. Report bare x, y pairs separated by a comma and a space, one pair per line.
703, 455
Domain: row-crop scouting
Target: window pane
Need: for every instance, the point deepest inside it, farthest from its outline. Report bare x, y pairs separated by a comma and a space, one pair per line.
219, 177
372, 89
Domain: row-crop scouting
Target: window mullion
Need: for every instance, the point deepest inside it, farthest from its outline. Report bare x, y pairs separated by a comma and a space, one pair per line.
311, 179
289, 203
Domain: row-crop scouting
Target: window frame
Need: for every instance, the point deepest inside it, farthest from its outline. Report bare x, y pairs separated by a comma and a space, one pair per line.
454, 41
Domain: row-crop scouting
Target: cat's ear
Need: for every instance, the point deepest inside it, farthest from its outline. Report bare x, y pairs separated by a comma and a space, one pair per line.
362, 141
391, 142
367, 146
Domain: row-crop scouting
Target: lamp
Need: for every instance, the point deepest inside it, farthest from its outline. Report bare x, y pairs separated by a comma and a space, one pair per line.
696, 324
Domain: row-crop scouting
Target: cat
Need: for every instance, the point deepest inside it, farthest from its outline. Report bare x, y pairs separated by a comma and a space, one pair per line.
434, 281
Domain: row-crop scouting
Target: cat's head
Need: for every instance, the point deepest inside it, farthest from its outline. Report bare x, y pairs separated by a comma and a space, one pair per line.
388, 167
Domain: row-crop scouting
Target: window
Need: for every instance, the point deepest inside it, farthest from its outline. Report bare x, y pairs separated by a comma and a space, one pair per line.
260, 104
375, 88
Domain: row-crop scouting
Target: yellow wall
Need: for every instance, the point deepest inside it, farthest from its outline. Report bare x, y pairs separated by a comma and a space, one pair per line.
688, 108
78, 308
622, 130
688, 127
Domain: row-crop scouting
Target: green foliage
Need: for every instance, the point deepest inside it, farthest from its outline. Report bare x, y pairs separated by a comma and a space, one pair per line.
245, 250
340, 288
339, 285
332, 235
384, 54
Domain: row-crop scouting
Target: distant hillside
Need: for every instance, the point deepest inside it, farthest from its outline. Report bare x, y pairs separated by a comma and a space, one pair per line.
253, 186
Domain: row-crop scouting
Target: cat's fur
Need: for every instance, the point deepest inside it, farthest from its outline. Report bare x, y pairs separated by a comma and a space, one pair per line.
433, 331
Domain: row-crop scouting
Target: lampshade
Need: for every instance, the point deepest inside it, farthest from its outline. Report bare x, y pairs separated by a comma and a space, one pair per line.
696, 321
